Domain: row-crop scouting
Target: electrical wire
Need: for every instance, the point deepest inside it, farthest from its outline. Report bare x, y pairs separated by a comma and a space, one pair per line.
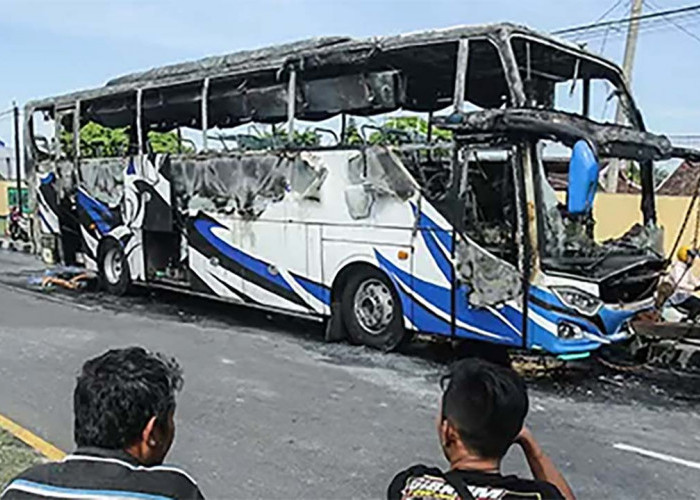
608, 34
607, 30
604, 31
678, 26
644, 17
609, 11
648, 25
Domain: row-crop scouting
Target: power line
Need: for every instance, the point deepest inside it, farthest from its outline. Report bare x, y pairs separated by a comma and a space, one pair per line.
600, 18
610, 10
650, 27
627, 20
655, 25
674, 23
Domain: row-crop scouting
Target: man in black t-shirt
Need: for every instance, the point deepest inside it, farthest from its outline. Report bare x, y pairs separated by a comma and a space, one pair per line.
483, 411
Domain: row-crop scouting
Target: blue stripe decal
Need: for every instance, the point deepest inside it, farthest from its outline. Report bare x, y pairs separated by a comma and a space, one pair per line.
254, 265
43, 219
321, 292
424, 221
100, 214
67, 492
131, 169
440, 298
424, 319
437, 253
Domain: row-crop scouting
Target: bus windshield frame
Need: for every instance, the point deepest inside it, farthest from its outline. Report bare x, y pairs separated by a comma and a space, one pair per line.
543, 64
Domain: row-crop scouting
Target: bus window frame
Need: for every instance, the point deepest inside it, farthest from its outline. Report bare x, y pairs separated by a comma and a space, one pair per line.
632, 113
461, 85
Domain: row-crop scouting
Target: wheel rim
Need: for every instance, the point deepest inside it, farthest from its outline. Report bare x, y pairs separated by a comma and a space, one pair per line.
113, 265
374, 306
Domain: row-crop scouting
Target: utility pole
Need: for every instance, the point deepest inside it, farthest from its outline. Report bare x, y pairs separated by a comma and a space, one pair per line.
17, 158
627, 64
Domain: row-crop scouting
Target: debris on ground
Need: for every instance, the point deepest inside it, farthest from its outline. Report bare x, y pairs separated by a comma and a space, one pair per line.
612, 377
617, 374
70, 278
674, 345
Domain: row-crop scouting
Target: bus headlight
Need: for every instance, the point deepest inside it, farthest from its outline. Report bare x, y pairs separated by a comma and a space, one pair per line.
569, 331
578, 300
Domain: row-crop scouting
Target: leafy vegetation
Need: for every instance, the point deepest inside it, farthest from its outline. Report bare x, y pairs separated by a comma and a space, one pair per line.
304, 138
15, 456
352, 133
167, 142
392, 131
407, 129
98, 141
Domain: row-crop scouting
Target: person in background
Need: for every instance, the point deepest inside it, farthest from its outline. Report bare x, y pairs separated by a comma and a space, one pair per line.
482, 414
684, 283
124, 407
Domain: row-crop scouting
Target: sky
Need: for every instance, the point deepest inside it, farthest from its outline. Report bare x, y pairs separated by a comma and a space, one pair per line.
50, 47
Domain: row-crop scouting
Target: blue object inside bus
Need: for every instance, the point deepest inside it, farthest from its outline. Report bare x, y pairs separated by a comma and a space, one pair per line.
583, 179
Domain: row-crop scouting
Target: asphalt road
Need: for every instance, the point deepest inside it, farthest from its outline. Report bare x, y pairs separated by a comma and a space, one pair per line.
270, 411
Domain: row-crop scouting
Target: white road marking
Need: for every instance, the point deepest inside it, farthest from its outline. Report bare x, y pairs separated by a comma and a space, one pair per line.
658, 456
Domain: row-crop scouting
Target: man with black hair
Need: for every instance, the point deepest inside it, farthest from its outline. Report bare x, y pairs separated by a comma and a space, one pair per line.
482, 416
124, 403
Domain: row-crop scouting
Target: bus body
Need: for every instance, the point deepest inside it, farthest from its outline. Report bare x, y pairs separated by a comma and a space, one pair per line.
453, 234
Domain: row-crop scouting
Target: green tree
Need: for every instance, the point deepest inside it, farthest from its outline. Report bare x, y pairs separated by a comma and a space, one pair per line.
304, 138
352, 133
167, 142
98, 141
407, 128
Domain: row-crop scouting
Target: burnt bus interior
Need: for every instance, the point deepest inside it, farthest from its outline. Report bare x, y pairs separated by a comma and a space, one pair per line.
335, 80
329, 77
627, 268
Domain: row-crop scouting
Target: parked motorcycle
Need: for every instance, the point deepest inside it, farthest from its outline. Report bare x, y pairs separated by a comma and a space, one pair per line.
18, 225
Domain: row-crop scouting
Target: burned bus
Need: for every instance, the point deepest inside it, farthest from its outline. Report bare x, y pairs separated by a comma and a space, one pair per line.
454, 230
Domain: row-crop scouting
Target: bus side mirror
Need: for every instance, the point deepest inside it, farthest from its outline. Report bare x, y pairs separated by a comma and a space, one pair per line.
583, 179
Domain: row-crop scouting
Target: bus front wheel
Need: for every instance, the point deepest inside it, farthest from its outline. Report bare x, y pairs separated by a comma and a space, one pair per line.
371, 311
113, 267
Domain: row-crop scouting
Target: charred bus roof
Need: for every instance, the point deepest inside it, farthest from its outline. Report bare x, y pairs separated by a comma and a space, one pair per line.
414, 71
610, 140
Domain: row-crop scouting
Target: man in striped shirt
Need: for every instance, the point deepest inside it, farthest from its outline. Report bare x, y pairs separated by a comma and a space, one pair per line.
124, 403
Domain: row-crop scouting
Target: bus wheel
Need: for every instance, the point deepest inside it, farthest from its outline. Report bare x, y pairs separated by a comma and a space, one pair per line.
113, 268
372, 311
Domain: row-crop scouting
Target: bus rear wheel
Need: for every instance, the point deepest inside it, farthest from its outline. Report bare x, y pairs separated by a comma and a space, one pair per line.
113, 268
371, 311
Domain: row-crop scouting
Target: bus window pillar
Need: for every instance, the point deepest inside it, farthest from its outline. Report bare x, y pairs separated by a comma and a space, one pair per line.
56, 142
139, 122
76, 140
461, 77
586, 97
205, 113
291, 103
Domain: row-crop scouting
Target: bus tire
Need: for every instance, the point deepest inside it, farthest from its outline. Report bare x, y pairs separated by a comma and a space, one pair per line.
371, 310
113, 267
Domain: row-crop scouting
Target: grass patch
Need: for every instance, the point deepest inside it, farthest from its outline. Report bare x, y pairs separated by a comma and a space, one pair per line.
15, 456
